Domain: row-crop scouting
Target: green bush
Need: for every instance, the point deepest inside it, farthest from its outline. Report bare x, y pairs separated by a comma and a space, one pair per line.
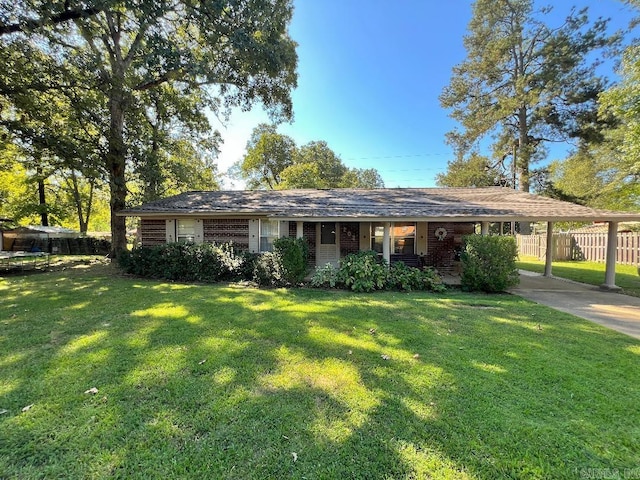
292, 254
184, 262
325, 277
366, 272
363, 272
267, 270
405, 278
489, 263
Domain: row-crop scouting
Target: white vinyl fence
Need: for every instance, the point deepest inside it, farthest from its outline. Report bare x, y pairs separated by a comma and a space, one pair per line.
582, 246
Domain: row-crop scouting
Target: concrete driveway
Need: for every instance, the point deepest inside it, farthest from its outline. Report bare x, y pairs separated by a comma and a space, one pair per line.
611, 309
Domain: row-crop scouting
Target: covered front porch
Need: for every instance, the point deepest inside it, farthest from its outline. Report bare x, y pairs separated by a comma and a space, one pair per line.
417, 244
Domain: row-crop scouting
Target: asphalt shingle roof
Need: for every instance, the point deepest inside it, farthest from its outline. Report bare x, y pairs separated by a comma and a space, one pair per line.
460, 204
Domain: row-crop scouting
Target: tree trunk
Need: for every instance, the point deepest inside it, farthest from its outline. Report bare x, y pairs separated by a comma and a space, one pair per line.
42, 199
525, 152
83, 222
524, 160
115, 163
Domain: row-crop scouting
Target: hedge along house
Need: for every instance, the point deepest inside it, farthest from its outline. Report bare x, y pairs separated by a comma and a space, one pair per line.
422, 227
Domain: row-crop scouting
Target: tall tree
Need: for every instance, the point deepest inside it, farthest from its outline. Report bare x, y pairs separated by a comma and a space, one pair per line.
475, 170
273, 161
362, 178
623, 101
234, 53
174, 149
268, 154
524, 81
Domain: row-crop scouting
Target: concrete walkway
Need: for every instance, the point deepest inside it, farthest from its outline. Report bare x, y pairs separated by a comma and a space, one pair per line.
613, 310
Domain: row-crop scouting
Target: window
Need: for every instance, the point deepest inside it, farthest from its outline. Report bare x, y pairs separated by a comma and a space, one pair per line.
186, 230
377, 234
269, 231
328, 234
402, 237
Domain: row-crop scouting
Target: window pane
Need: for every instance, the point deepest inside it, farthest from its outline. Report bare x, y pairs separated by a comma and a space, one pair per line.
376, 244
269, 228
266, 244
269, 231
404, 238
186, 230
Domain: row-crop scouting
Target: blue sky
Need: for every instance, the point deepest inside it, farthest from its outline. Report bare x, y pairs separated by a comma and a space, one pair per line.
370, 73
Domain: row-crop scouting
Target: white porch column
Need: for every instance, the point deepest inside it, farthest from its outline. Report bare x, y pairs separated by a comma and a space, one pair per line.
548, 257
484, 228
386, 243
299, 229
610, 271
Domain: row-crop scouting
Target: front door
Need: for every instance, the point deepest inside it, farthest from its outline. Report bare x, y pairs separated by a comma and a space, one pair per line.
327, 242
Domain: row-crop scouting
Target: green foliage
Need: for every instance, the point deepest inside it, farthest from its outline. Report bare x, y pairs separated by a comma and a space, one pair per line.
325, 276
292, 255
266, 270
473, 171
489, 263
526, 82
268, 154
136, 80
363, 272
404, 278
209, 263
184, 262
273, 161
361, 178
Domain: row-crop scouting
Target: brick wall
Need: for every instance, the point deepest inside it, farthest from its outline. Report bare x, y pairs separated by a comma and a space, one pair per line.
309, 234
153, 232
442, 253
349, 238
226, 231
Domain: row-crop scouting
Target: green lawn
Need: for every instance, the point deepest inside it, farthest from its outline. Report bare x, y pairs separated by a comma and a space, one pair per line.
232, 382
587, 272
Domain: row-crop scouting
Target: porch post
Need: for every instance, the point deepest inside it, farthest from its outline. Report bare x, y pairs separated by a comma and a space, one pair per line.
386, 247
485, 228
548, 257
610, 270
299, 229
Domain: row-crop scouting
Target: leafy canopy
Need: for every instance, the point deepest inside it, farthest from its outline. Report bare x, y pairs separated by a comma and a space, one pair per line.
525, 82
273, 161
129, 59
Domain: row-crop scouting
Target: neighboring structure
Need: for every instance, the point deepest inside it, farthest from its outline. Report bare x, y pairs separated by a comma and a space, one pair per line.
54, 240
418, 226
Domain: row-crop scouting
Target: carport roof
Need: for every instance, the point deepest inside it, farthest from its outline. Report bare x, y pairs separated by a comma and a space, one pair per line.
493, 204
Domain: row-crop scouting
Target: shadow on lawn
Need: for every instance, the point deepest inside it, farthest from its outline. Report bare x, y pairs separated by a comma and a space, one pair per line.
270, 384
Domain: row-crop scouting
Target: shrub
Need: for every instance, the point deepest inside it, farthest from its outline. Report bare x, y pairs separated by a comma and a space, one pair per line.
362, 272
184, 262
489, 263
267, 270
325, 277
405, 278
292, 254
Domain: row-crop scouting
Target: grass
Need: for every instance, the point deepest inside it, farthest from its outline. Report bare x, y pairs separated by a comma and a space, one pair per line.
198, 381
627, 276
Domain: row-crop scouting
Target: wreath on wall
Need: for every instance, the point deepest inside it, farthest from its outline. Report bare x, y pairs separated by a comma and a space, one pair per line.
441, 233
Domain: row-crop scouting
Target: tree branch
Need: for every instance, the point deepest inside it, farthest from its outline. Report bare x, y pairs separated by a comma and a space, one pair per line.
65, 16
